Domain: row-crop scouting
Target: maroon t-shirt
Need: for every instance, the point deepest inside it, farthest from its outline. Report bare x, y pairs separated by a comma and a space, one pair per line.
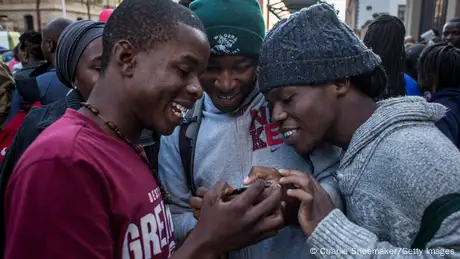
80, 193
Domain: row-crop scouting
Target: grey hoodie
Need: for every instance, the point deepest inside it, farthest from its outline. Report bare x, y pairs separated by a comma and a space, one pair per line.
228, 146
396, 165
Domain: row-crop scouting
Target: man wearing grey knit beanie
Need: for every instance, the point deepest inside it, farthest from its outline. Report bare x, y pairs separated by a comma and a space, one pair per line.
400, 176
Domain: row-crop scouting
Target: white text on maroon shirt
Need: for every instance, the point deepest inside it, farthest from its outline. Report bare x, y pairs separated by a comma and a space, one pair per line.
154, 232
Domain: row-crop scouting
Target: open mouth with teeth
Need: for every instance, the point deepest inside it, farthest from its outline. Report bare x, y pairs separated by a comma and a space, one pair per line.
290, 135
226, 98
287, 134
179, 110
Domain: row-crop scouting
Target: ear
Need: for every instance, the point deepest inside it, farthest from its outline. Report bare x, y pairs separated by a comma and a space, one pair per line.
124, 55
51, 45
342, 87
427, 83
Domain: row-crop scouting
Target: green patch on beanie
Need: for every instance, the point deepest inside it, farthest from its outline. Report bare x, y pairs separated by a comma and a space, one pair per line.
234, 27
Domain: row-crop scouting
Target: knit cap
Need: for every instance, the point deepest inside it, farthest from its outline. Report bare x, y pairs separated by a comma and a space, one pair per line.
234, 27
312, 47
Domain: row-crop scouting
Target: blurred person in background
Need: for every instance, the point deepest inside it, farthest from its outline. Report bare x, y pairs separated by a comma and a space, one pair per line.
411, 74
408, 41
50, 87
451, 32
33, 64
14, 63
105, 15
30, 55
438, 75
6, 91
39, 82
385, 36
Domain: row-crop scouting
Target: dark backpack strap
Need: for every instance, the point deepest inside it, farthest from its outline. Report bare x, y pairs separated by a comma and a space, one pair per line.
433, 217
188, 134
185, 149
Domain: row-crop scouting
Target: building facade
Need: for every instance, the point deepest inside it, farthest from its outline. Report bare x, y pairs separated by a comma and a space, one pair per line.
360, 12
25, 15
419, 16
423, 15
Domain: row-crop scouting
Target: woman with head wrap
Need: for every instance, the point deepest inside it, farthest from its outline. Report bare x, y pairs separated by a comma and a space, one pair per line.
77, 66
78, 56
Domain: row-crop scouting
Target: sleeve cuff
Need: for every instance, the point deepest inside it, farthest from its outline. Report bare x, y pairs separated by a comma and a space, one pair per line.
336, 232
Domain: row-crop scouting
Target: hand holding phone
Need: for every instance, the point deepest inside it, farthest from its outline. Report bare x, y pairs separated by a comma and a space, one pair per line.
248, 219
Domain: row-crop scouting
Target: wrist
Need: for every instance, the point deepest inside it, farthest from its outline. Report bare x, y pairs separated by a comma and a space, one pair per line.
197, 246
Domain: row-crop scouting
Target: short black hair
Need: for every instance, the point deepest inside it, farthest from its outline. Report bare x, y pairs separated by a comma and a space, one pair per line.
30, 42
372, 83
412, 54
54, 28
385, 36
441, 62
145, 23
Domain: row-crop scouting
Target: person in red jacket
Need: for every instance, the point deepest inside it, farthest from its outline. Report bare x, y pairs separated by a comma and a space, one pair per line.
105, 15
84, 190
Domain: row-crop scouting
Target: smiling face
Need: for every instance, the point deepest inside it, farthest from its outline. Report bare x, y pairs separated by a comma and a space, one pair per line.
305, 114
163, 83
88, 68
228, 80
451, 33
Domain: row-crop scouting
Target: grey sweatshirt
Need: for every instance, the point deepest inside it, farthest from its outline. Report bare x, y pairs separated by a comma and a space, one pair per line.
396, 165
228, 146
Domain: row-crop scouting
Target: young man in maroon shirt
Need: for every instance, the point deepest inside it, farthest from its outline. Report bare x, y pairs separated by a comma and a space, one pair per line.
82, 190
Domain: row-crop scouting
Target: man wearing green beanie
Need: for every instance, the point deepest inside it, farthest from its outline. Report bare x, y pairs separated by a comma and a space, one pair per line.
229, 130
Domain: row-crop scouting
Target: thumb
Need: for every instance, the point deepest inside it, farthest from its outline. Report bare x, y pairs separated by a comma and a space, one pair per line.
201, 191
252, 176
261, 172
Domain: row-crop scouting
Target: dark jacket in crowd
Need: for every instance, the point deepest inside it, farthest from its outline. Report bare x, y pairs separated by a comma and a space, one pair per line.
36, 121
51, 89
26, 91
450, 124
32, 69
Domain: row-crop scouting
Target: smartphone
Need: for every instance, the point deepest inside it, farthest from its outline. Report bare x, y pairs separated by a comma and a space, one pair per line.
238, 191
241, 190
